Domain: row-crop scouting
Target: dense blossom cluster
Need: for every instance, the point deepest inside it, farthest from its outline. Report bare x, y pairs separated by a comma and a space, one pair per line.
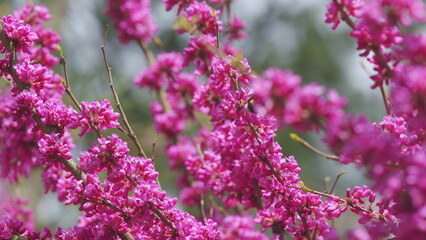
133, 19
34, 133
392, 149
232, 165
308, 107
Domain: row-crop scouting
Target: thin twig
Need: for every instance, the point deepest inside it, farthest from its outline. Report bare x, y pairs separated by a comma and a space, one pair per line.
385, 100
108, 204
221, 209
164, 219
161, 95
217, 29
337, 179
228, 10
147, 51
130, 131
341, 200
69, 92
67, 86
298, 139
153, 145
343, 15
202, 208
325, 183
149, 55
122, 130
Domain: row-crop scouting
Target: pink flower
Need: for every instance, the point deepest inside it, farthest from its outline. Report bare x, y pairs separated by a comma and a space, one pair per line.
229, 74
11, 226
42, 51
35, 76
200, 16
272, 91
167, 122
53, 148
307, 109
414, 49
236, 227
200, 50
161, 72
105, 155
100, 114
182, 4
408, 96
235, 29
20, 35
14, 208
405, 11
351, 7
33, 14
132, 19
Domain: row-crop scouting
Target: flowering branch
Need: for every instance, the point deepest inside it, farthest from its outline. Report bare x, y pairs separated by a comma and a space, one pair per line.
232, 167
376, 48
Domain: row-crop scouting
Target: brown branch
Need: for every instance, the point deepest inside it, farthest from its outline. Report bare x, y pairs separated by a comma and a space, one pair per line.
163, 218
130, 133
153, 146
202, 208
108, 204
69, 92
67, 85
336, 180
385, 99
147, 51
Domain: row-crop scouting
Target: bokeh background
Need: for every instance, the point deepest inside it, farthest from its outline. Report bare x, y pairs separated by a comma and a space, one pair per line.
281, 33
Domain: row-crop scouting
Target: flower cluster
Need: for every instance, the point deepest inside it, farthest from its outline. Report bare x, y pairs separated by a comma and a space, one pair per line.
99, 115
128, 201
17, 34
377, 29
392, 149
48, 39
167, 66
132, 19
279, 93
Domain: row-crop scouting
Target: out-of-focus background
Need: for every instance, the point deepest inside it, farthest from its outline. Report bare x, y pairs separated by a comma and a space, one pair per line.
281, 33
